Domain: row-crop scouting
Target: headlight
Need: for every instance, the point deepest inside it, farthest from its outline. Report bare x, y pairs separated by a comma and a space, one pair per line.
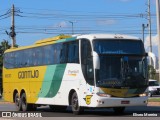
103, 95
142, 95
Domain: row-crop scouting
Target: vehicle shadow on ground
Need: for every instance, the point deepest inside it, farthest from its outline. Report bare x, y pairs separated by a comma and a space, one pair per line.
99, 112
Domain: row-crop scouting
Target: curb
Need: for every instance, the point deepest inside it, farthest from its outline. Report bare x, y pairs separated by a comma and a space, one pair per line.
3, 102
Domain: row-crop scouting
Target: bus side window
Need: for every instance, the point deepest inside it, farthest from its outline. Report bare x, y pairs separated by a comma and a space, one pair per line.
73, 52
63, 54
47, 55
57, 52
11, 60
6, 60
87, 61
28, 56
18, 59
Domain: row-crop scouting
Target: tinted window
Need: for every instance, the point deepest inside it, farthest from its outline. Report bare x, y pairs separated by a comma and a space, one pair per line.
6, 60
18, 59
28, 57
10, 60
153, 83
57, 52
46, 55
64, 52
118, 47
39, 55
73, 52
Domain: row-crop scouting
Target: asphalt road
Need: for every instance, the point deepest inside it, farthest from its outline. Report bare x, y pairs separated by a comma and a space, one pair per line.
129, 111
100, 113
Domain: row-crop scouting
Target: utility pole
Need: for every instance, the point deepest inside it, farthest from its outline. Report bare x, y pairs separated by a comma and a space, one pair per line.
158, 31
149, 25
12, 33
149, 29
143, 28
72, 27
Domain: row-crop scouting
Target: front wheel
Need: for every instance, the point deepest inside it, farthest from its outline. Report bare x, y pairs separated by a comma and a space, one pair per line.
75, 104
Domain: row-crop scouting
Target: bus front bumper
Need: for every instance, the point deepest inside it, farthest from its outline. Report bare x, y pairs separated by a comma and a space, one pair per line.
119, 102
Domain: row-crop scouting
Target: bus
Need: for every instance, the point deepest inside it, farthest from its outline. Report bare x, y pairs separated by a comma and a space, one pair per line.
83, 71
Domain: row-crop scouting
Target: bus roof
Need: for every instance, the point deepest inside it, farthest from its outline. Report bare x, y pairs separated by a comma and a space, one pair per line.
63, 38
43, 42
108, 36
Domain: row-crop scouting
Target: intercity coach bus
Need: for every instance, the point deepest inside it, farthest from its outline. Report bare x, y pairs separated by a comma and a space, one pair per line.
83, 71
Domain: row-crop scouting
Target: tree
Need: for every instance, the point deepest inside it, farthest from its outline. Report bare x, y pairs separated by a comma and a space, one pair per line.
151, 72
3, 46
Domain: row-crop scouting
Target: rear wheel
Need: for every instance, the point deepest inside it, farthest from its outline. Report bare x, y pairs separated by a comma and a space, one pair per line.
119, 110
17, 102
25, 105
75, 104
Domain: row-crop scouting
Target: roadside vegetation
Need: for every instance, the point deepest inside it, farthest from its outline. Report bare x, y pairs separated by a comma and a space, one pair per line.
154, 100
4, 45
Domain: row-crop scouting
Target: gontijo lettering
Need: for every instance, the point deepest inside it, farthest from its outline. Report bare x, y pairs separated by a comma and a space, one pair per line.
28, 74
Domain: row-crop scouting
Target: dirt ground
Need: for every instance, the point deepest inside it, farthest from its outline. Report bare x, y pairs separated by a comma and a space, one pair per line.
153, 103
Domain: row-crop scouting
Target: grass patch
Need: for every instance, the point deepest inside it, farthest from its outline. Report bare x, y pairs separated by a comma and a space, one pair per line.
154, 100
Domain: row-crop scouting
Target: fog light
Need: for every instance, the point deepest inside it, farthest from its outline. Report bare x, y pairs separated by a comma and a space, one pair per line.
101, 102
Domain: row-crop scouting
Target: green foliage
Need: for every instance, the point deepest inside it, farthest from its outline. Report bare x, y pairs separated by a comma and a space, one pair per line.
154, 100
151, 72
3, 46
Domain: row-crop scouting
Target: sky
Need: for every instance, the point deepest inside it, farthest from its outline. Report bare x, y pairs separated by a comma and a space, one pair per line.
39, 19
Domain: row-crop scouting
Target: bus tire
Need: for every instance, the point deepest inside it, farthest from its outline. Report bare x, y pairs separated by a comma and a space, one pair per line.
25, 105
119, 110
17, 102
76, 109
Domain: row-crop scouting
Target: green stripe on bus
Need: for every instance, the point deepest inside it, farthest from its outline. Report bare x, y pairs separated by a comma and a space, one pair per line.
47, 80
67, 39
52, 80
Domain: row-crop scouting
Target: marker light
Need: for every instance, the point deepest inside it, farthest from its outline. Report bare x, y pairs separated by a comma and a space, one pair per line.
103, 95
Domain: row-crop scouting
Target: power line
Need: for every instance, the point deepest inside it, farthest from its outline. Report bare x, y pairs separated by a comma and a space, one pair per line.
4, 17
90, 16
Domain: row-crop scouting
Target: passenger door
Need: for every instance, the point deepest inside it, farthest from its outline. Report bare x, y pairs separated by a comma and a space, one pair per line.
87, 84
87, 61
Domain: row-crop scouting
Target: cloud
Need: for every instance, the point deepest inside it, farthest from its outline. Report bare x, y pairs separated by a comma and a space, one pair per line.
106, 22
61, 24
154, 41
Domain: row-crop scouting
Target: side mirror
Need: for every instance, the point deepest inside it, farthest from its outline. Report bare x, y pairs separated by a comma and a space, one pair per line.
96, 60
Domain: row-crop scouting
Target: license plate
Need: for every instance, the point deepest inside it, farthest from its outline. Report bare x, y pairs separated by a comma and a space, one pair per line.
125, 102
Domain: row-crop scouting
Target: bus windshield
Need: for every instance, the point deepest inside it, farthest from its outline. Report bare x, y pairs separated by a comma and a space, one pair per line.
119, 47
122, 63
